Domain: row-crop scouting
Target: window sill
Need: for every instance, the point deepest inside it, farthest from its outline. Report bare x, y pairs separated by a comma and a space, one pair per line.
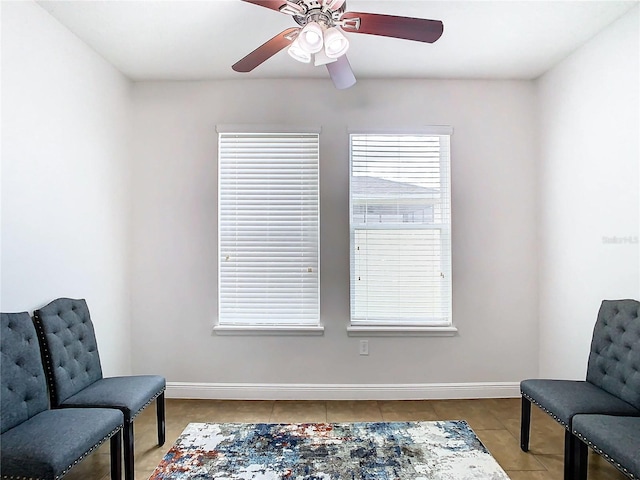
274, 330
401, 331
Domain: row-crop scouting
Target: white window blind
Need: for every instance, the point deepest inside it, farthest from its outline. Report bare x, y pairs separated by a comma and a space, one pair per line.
400, 230
268, 218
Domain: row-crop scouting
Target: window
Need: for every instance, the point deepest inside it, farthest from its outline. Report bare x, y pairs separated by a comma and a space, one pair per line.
400, 233
268, 224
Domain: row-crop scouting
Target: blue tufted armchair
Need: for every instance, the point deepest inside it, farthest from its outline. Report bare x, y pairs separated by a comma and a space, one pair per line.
612, 386
74, 373
36, 442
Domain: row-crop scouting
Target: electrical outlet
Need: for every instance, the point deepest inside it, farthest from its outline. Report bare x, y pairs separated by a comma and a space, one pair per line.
364, 347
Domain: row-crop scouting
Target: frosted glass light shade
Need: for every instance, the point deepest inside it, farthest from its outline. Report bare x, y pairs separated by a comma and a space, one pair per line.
335, 43
298, 53
311, 38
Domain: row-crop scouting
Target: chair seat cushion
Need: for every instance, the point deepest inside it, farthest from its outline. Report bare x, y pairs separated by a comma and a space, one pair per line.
50, 443
129, 394
617, 437
563, 399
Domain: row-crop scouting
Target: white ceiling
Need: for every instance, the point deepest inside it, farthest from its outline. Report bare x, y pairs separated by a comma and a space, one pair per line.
196, 40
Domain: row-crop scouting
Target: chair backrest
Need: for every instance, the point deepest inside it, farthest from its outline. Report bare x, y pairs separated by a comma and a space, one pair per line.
614, 361
69, 347
23, 390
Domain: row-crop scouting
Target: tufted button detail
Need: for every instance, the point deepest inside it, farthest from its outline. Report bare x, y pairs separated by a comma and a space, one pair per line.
23, 379
66, 325
615, 350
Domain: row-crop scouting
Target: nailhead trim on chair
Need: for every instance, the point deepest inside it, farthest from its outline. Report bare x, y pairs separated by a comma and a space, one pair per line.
596, 449
64, 472
47, 360
147, 404
545, 410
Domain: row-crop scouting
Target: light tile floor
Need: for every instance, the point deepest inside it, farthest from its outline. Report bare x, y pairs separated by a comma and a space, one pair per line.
495, 421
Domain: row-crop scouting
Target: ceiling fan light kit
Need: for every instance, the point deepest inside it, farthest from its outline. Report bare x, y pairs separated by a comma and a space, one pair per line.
325, 44
310, 37
298, 53
321, 34
336, 44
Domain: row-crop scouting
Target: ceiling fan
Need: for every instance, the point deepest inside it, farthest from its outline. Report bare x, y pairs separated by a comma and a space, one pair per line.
320, 34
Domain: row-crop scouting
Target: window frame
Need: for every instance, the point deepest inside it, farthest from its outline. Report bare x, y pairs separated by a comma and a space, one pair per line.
401, 328
276, 328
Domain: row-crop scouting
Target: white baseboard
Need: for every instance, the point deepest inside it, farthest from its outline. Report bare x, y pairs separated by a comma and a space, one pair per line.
271, 391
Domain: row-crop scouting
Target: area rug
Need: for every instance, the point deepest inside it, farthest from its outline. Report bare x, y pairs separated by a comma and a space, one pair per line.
447, 450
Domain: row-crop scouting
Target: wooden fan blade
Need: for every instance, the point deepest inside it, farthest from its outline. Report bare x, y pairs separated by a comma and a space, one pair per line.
266, 50
292, 8
407, 28
341, 73
272, 4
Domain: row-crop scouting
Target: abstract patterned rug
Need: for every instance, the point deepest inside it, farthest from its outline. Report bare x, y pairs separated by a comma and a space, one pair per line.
447, 450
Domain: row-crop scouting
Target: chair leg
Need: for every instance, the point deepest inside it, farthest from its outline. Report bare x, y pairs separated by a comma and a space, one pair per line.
525, 424
569, 440
129, 467
160, 412
580, 460
116, 456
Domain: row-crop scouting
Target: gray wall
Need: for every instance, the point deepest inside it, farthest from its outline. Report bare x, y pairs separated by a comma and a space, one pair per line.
65, 177
589, 191
494, 231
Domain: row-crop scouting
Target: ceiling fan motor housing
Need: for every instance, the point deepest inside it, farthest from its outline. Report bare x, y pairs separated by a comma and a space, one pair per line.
315, 12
